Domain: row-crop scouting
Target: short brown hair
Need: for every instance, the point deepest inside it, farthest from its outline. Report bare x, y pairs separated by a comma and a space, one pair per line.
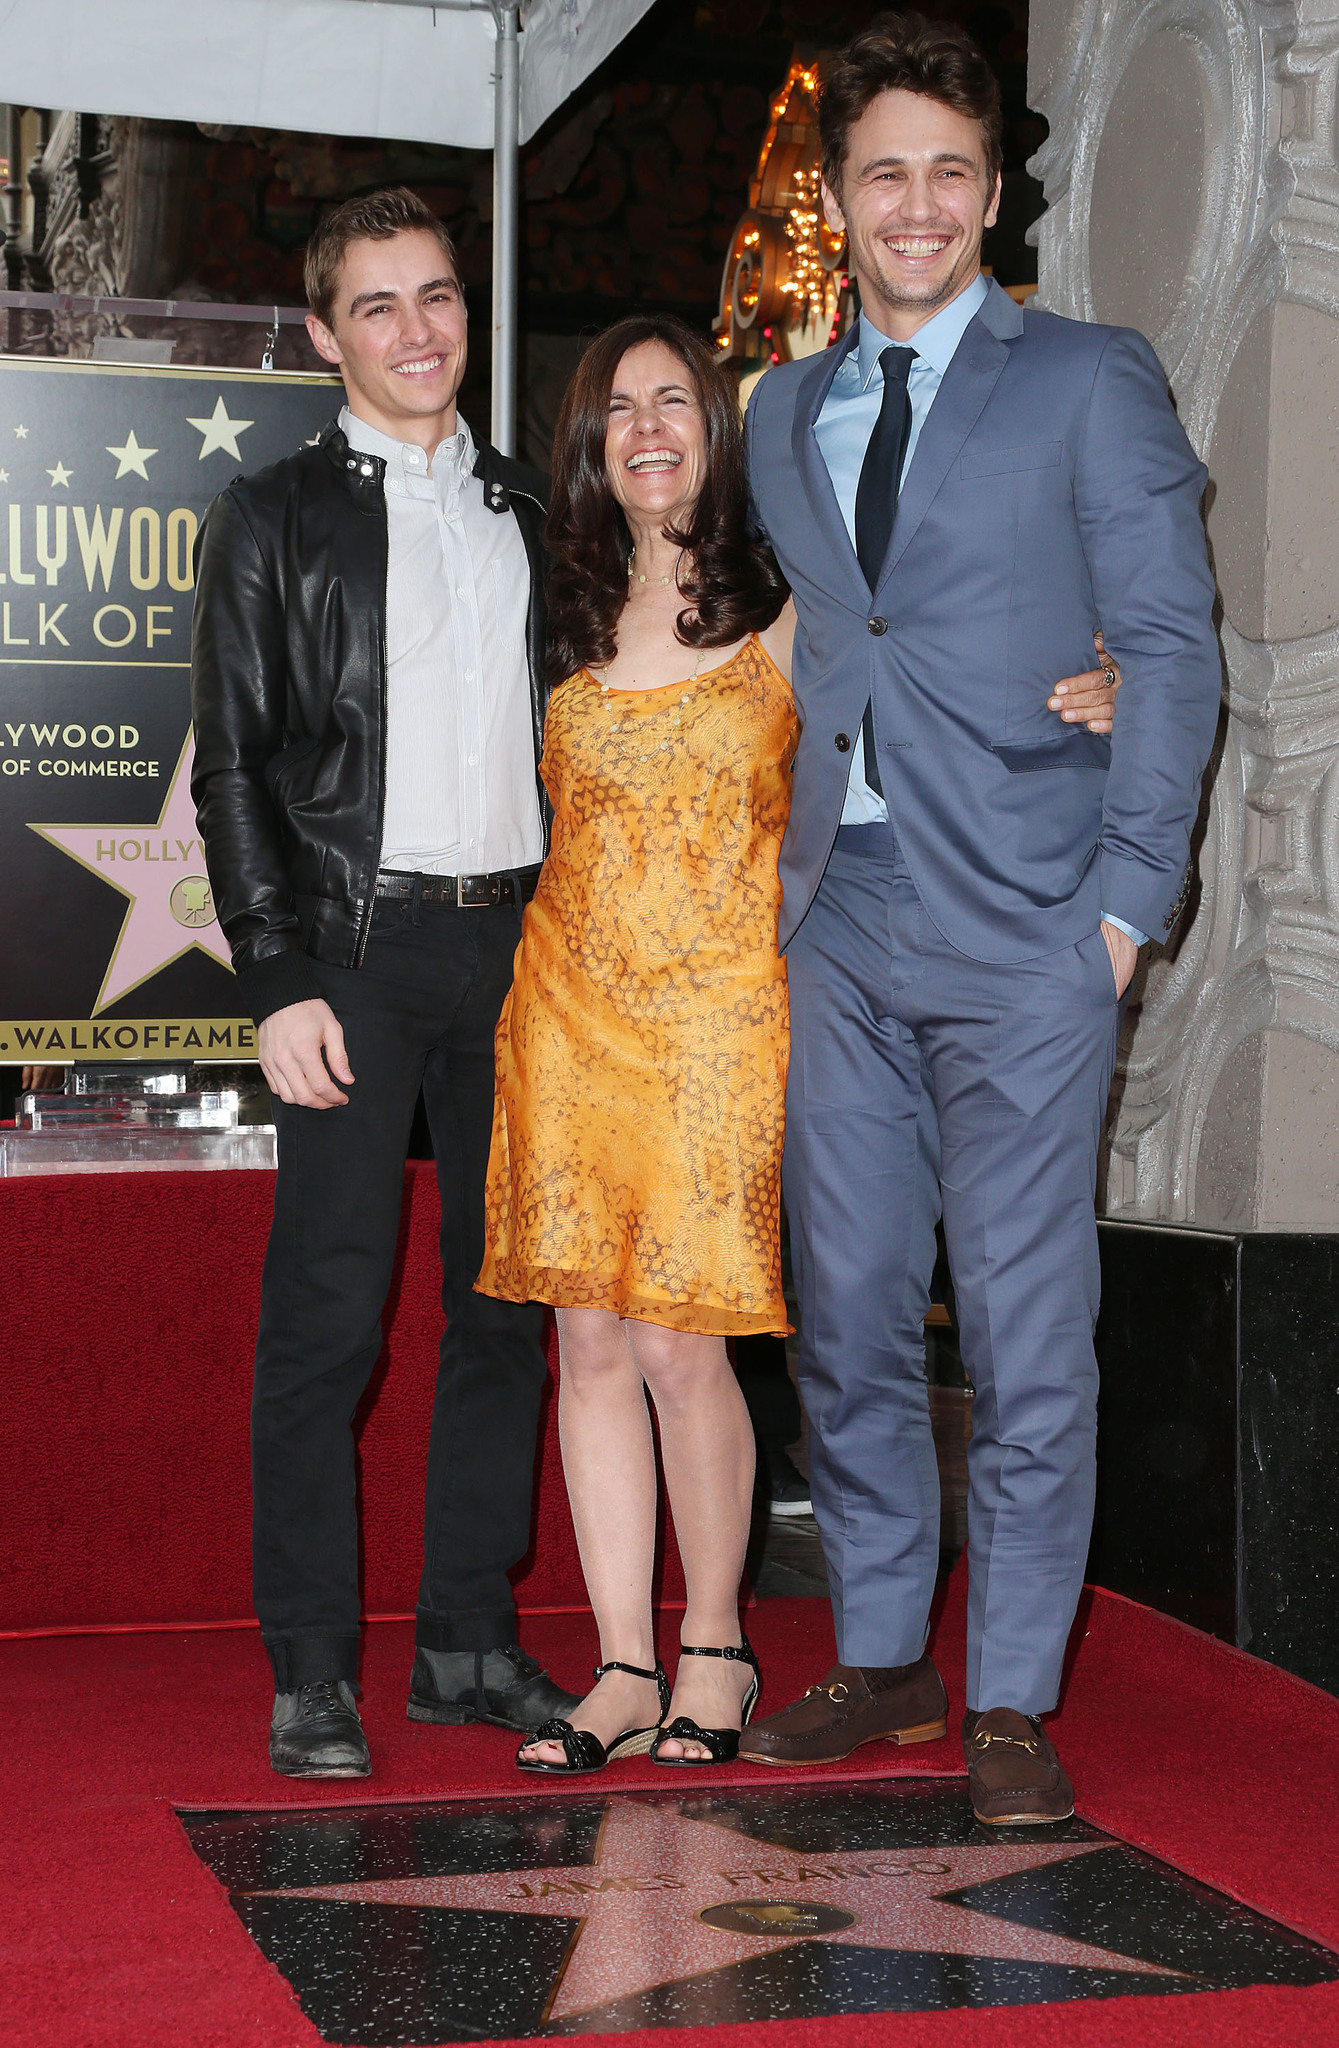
371, 217
907, 53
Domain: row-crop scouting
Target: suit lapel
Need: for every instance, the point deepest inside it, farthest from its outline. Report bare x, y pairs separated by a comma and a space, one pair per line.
959, 403
813, 471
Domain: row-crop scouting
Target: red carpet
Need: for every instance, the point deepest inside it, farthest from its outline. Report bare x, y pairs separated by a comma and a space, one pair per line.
113, 1932
129, 1313
129, 1305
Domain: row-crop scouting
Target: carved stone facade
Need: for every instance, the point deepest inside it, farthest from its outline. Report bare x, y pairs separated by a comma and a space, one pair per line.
1192, 180
76, 240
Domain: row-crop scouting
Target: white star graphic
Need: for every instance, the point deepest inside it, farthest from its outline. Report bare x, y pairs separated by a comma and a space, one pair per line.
131, 459
22, 433
161, 868
656, 1870
60, 474
4, 476
220, 432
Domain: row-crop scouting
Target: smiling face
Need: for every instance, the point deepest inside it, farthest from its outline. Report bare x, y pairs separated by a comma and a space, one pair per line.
397, 335
655, 447
915, 200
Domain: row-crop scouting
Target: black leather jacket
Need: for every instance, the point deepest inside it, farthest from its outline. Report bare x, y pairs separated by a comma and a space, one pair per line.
288, 694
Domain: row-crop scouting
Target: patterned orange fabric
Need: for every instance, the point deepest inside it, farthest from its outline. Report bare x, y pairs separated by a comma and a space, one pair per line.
641, 1055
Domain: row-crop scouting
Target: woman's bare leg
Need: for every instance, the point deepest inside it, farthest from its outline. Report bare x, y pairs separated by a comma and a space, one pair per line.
706, 1442
609, 1466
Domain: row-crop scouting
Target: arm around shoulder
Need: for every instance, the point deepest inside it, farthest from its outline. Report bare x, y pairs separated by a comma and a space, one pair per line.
779, 638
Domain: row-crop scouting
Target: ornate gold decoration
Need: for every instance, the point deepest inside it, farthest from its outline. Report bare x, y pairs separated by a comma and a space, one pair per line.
784, 289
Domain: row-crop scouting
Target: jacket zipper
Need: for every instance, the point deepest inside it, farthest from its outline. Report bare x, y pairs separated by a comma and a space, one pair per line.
531, 499
365, 926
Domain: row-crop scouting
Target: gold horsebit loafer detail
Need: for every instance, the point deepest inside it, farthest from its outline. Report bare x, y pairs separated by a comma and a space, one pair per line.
1014, 1776
902, 1703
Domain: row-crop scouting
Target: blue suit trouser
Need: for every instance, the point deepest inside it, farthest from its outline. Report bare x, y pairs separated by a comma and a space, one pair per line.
921, 1081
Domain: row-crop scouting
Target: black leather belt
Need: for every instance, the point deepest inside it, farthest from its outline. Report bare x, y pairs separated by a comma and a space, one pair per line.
464, 892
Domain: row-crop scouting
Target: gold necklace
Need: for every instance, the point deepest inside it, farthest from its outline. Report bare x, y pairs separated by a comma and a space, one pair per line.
659, 582
702, 653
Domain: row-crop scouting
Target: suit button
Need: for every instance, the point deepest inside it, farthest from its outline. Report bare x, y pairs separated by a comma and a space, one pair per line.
842, 744
878, 626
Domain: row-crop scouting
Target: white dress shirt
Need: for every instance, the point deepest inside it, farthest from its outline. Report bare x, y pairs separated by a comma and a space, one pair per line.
460, 754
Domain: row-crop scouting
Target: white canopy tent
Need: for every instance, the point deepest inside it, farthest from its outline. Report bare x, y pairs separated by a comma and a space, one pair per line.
478, 74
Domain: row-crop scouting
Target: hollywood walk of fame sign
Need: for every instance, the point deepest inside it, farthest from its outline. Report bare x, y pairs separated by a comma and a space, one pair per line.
109, 945
608, 1912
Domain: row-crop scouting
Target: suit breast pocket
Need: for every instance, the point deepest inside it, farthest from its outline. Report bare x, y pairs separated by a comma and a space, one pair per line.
1010, 461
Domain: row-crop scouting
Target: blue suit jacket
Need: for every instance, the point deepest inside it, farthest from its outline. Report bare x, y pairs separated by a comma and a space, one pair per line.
1052, 489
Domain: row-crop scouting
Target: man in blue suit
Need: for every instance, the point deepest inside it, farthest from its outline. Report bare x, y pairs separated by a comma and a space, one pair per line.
960, 494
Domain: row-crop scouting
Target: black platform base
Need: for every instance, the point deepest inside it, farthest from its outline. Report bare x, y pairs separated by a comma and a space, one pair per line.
1218, 1441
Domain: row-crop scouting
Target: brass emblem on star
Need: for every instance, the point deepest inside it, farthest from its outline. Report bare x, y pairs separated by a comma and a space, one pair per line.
192, 902
791, 1917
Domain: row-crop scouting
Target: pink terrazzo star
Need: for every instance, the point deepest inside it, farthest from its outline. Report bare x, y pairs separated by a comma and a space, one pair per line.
655, 1870
161, 868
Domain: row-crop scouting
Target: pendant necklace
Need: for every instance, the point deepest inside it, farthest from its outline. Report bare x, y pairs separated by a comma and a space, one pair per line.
662, 583
702, 654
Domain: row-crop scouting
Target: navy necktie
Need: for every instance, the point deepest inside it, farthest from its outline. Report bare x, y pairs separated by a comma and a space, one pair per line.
876, 497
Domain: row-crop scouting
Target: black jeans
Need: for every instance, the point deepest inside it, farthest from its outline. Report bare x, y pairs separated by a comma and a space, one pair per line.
768, 1390
420, 1011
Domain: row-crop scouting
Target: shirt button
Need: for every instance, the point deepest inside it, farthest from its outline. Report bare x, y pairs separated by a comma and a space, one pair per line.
878, 627
842, 743
474, 760
469, 675
462, 590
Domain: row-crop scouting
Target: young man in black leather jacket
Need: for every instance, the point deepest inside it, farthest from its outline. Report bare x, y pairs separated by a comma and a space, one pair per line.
368, 707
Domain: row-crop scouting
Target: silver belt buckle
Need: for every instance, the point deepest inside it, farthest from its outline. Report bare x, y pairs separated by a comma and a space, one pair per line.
485, 894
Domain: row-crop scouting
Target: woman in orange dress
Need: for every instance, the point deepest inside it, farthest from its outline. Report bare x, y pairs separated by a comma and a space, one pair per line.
634, 1178
634, 1181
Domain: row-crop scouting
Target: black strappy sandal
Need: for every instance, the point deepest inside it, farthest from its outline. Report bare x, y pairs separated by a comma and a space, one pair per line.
722, 1743
584, 1751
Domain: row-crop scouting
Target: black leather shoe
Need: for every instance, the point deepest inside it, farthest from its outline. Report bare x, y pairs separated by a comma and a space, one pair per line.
315, 1733
503, 1687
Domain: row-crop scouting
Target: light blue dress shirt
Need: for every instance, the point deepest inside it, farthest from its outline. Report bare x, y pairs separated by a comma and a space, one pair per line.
843, 428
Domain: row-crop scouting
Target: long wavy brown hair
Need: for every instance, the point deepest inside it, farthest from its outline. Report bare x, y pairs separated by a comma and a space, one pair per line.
731, 582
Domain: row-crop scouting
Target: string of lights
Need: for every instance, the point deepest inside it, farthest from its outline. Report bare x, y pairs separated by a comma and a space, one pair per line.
784, 289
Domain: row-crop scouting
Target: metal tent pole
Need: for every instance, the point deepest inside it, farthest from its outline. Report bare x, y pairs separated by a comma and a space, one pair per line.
506, 212
506, 201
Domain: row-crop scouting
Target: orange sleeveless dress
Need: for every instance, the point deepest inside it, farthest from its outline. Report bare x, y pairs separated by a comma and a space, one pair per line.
641, 1054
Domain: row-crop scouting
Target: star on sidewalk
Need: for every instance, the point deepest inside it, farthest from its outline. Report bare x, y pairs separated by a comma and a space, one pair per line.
219, 431
130, 459
60, 474
170, 908
656, 1872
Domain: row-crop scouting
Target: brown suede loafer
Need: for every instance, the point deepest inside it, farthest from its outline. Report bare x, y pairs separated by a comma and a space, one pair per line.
1014, 1778
905, 1703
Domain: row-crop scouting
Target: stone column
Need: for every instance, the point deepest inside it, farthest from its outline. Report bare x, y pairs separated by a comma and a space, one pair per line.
1193, 192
